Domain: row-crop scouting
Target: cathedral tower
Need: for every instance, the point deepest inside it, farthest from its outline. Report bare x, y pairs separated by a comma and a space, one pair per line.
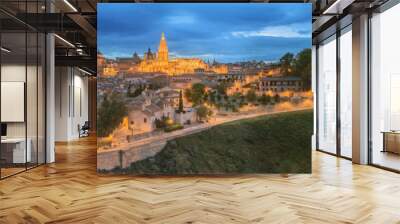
163, 49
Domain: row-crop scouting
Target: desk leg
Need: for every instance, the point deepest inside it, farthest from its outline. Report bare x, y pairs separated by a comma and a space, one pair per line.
384, 142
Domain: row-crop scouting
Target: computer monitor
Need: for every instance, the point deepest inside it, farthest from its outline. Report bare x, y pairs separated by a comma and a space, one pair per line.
3, 129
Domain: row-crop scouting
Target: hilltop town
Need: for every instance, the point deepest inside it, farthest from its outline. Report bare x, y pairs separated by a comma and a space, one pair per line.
157, 97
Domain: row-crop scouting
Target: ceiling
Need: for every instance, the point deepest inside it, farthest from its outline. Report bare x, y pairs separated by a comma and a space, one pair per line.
329, 15
75, 22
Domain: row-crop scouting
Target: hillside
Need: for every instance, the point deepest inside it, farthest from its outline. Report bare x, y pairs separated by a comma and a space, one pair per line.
279, 143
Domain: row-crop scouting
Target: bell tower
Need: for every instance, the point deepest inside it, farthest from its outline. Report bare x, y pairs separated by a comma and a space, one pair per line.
163, 49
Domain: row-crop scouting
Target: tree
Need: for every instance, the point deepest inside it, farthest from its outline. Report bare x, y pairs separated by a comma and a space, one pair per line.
139, 89
302, 67
226, 97
205, 97
163, 122
265, 99
287, 62
242, 98
237, 95
219, 97
234, 108
180, 108
159, 123
212, 98
196, 94
222, 87
129, 91
277, 98
269, 98
209, 113
110, 114
202, 112
251, 96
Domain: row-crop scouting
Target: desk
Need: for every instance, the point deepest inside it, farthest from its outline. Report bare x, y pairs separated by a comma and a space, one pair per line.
391, 141
13, 150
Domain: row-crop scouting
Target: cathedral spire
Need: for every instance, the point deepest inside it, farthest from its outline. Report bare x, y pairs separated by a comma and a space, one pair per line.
163, 49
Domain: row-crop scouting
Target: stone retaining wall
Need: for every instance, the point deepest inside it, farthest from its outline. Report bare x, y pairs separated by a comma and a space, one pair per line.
108, 160
123, 158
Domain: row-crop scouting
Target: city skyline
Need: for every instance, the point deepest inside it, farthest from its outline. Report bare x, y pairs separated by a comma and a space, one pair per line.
226, 33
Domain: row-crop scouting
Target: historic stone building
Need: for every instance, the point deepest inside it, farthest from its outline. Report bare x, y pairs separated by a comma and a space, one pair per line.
161, 63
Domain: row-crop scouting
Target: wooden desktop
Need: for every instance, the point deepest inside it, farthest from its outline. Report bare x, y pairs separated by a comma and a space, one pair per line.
391, 141
13, 151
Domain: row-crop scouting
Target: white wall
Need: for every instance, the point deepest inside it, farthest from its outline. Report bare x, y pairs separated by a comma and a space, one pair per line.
62, 81
71, 103
33, 126
16, 73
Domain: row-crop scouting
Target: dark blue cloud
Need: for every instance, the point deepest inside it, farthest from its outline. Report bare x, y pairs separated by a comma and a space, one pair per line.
226, 32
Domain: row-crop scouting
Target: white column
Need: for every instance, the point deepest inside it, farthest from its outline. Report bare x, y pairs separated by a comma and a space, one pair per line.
62, 103
50, 100
360, 90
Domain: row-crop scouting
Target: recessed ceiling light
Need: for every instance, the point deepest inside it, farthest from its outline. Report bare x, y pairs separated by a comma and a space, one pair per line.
5, 50
337, 7
64, 40
86, 72
70, 5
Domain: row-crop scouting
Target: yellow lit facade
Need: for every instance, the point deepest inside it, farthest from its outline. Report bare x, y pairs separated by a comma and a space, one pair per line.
110, 71
178, 66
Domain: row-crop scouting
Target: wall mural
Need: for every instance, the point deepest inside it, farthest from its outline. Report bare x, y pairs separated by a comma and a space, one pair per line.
204, 88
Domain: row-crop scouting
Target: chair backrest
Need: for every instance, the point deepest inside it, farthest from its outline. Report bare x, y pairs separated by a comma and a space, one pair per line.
86, 125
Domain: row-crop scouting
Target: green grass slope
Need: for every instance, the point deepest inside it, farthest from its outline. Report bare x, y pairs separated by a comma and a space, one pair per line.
279, 143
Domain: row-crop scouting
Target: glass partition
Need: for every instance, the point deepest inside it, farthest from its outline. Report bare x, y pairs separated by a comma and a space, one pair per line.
22, 88
13, 114
327, 95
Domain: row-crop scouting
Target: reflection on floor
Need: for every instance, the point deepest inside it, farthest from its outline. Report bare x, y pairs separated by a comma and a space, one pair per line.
387, 159
70, 191
10, 171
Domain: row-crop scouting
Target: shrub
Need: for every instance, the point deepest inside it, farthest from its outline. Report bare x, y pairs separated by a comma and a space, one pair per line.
173, 127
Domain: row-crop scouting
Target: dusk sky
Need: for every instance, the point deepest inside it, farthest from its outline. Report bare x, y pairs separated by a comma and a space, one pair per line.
227, 32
